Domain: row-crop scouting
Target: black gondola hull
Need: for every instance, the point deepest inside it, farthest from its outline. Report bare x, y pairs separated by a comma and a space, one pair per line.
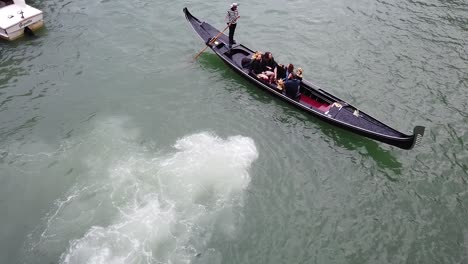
360, 123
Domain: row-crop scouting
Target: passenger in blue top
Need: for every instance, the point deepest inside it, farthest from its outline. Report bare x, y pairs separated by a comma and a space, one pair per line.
292, 87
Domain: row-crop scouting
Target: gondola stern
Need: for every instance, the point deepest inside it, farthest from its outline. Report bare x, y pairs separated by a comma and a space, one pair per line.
189, 15
186, 12
197, 26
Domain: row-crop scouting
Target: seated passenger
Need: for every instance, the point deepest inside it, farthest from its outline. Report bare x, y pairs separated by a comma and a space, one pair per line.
280, 72
257, 66
269, 66
292, 86
289, 70
299, 73
269, 62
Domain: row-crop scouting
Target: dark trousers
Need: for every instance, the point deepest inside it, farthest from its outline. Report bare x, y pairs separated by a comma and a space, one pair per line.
232, 28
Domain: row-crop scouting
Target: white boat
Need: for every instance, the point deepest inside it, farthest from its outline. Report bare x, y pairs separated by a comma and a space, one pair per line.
16, 18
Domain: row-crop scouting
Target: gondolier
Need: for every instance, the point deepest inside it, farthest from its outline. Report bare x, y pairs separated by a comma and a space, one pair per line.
231, 20
311, 99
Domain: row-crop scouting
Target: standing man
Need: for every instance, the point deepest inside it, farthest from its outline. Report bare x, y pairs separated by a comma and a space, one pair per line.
231, 20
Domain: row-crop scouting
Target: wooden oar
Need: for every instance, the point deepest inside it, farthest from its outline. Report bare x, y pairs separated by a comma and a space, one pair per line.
214, 39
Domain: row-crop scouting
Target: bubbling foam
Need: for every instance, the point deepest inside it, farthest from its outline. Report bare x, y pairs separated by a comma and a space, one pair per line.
147, 208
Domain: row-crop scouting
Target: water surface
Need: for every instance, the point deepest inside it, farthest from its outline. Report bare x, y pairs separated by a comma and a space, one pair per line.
116, 148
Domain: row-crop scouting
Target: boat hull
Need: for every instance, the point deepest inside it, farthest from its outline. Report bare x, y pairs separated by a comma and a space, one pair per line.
407, 142
20, 32
13, 23
318, 103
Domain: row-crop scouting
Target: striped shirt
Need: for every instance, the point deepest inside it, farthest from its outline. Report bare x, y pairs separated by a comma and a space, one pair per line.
231, 16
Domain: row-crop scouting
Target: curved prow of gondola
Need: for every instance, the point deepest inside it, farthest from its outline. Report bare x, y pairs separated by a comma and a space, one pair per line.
418, 133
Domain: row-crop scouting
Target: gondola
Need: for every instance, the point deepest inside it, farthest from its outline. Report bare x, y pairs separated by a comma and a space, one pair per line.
312, 98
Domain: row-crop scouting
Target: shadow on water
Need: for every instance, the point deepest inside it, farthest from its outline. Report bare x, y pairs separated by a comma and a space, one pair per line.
341, 138
351, 141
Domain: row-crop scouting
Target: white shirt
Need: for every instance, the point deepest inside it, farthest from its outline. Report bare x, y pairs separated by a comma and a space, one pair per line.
231, 16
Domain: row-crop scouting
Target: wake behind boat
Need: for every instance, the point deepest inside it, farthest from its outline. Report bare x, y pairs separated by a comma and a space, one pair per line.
311, 98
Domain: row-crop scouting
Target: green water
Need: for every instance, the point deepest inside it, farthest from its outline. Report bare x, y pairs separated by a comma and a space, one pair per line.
116, 148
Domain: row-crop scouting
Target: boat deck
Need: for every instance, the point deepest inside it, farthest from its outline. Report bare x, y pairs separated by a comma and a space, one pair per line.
10, 15
313, 103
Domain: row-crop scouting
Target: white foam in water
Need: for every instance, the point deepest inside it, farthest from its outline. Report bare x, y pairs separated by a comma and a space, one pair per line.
140, 207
